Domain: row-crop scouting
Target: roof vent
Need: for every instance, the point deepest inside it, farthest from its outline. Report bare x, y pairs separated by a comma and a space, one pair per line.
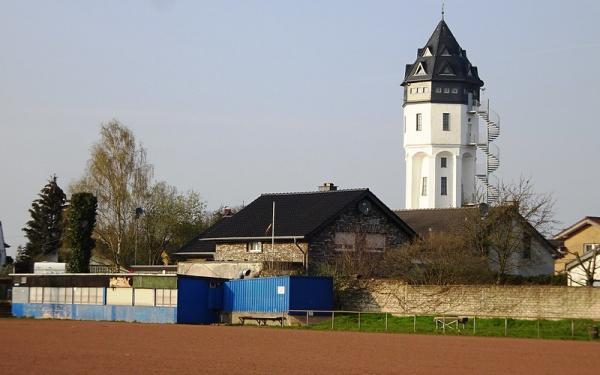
328, 186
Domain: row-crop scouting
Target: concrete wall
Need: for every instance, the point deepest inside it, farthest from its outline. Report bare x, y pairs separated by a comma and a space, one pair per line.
95, 312
512, 301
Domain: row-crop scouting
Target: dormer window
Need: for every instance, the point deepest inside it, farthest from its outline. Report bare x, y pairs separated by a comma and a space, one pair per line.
447, 70
420, 70
427, 52
445, 52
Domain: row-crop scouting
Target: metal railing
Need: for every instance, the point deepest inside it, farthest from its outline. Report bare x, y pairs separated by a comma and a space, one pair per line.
447, 323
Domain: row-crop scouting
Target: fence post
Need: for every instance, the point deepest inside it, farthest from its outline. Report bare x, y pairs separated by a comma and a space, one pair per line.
414, 324
538, 328
359, 320
505, 326
306, 317
386, 324
572, 328
332, 320
474, 325
444, 323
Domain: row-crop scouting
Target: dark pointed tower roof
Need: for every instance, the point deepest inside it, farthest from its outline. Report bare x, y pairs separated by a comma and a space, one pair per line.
442, 59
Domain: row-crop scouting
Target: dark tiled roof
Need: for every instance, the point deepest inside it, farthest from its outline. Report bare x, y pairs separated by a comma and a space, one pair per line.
196, 246
437, 220
445, 53
296, 214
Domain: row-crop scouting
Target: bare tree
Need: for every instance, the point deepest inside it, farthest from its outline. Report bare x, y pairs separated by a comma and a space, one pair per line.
587, 267
504, 233
119, 175
438, 259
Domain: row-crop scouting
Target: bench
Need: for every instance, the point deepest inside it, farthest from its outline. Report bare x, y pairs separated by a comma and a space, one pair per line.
263, 320
452, 322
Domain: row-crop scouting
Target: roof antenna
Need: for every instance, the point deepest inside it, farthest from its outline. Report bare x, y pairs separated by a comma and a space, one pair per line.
443, 9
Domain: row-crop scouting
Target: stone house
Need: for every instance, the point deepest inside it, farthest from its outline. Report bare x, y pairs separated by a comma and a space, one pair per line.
304, 229
533, 256
581, 238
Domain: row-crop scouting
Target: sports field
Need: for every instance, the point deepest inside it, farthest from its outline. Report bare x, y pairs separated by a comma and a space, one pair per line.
67, 347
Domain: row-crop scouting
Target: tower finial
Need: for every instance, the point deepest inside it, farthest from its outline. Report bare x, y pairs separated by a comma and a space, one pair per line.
443, 9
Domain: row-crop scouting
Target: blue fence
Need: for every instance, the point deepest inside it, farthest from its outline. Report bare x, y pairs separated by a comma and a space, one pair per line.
278, 294
145, 314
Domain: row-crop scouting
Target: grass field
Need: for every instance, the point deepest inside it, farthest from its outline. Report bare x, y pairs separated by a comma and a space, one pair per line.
576, 329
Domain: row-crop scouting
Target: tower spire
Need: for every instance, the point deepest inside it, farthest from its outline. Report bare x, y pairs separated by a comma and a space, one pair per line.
443, 9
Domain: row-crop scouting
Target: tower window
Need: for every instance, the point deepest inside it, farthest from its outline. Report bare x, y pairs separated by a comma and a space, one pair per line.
424, 187
444, 186
446, 122
419, 122
444, 162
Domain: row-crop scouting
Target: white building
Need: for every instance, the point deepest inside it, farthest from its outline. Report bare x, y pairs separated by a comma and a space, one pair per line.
441, 124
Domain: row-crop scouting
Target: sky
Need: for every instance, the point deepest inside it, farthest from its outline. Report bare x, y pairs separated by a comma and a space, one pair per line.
237, 98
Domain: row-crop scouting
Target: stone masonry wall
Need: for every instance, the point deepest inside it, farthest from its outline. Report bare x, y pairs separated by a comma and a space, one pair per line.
492, 300
282, 252
322, 246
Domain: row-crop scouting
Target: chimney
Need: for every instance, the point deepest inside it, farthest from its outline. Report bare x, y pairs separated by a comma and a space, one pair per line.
328, 186
226, 211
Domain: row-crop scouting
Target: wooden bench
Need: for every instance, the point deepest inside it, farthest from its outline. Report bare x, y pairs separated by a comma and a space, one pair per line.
452, 322
263, 320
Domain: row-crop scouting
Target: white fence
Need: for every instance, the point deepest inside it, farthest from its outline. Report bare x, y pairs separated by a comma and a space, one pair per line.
96, 296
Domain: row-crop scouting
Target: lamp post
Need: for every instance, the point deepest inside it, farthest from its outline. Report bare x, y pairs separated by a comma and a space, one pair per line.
139, 211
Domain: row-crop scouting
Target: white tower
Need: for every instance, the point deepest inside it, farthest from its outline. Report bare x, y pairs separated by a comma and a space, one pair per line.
441, 124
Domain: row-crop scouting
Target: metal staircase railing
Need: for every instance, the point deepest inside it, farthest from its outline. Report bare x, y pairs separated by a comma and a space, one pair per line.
491, 151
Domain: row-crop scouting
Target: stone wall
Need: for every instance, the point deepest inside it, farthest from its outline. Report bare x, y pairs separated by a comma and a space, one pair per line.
492, 300
282, 252
322, 246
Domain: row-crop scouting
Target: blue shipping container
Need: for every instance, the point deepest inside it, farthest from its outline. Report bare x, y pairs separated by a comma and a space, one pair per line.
199, 300
278, 294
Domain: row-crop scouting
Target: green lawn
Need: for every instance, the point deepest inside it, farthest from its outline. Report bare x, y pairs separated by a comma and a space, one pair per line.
376, 322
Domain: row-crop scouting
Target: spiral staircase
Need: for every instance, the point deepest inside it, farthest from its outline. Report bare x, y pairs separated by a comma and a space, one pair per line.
491, 151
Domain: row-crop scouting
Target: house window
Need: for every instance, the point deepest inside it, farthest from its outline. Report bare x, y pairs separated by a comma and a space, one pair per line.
425, 90
438, 90
446, 122
345, 241
375, 242
255, 247
444, 186
455, 91
444, 162
424, 187
419, 122
446, 90
587, 247
526, 246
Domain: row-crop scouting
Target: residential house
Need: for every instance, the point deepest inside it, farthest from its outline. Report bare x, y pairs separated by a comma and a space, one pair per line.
534, 257
580, 238
304, 229
584, 271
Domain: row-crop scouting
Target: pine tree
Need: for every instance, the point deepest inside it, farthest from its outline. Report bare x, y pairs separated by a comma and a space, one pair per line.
80, 221
44, 230
24, 262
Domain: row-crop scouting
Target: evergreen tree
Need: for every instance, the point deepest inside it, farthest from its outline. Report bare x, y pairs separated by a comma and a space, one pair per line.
44, 230
24, 262
80, 222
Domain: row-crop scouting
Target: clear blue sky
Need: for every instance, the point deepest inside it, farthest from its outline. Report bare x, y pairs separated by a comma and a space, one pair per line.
236, 98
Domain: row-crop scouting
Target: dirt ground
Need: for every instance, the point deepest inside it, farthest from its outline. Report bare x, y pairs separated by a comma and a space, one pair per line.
71, 347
